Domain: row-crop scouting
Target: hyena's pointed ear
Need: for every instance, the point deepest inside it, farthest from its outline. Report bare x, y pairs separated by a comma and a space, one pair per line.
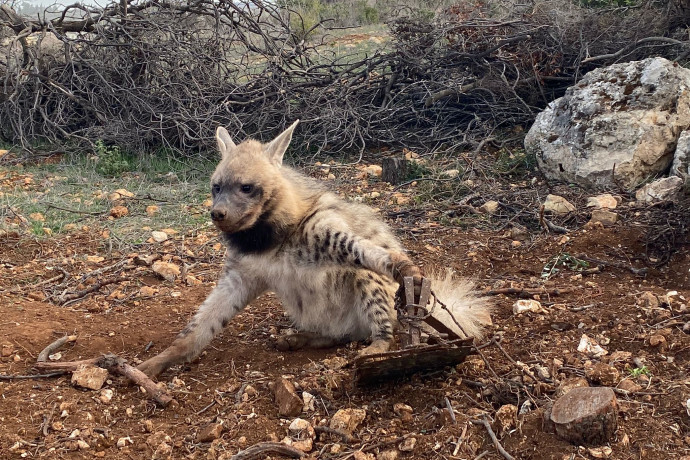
277, 147
225, 143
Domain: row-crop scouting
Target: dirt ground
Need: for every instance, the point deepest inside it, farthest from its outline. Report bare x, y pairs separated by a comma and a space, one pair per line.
231, 384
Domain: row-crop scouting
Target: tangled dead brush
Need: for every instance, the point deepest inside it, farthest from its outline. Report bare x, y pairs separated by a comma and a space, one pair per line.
146, 75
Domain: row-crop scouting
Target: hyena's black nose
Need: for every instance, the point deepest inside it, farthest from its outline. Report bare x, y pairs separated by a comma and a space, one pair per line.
217, 215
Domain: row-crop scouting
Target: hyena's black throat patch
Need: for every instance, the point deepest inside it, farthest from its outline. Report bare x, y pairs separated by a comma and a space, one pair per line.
262, 237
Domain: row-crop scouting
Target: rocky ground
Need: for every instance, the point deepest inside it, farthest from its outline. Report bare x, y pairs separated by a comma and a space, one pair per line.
605, 316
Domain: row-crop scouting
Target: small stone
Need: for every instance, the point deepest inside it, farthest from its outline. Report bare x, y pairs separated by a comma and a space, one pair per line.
629, 386
348, 420
123, 442
519, 233
590, 347
648, 300
209, 432
586, 415
606, 218
288, 401
506, 418
7, 350
388, 455
309, 402
603, 201
657, 340
152, 210
373, 170
525, 305
301, 429
147, 291
91, 377
157, 438
166, 270
106, 395
336, 448
558, 205
359, 455
404, 412
119, 211
490, 207
568, 384
83, 445
159, 237
124, 192
148, 426
162, 452
515, 244
400, 408
408, 444
603, 374
600, 452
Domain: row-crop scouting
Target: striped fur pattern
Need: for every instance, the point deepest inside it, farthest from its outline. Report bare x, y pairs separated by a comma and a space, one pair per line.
335, 265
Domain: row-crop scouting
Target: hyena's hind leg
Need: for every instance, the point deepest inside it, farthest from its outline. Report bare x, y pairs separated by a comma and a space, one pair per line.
228, 298
376, 307
299, 340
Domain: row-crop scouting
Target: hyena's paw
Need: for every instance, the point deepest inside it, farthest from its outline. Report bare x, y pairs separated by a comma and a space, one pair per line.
155, 366
291, 342
377, 346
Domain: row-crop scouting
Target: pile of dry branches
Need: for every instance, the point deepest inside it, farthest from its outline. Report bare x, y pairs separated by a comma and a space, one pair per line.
151, 74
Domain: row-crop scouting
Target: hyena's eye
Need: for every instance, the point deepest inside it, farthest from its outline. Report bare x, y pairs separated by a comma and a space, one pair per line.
215, 189
247, 188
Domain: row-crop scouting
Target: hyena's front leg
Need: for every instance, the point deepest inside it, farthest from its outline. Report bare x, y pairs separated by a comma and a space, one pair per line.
345, 247
228, 298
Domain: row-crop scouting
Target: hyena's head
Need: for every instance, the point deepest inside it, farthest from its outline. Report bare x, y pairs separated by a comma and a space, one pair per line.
247, 183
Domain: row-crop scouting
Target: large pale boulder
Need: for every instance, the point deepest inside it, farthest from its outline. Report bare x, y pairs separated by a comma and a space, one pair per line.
681, 160
618, 126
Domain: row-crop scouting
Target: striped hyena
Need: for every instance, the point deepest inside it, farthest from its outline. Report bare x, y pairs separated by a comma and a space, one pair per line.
335, 265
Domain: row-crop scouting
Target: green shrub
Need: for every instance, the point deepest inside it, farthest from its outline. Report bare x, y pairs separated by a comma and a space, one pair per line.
111, 161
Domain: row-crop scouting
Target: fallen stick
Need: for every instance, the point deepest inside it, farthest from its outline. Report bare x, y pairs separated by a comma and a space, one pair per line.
50, 349
530, 291
63, 299
34, 376
263, 449
633, 270
115, 365
497, 444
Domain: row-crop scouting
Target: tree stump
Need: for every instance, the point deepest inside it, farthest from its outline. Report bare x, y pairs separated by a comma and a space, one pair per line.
394, 170
586, 415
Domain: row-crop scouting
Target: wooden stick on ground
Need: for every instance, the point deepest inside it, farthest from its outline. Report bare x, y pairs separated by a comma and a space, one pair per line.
263, 449
50, 349
115, 365
530, 291
497, 444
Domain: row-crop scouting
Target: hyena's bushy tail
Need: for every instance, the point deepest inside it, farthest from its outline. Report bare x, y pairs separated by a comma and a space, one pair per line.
470, 309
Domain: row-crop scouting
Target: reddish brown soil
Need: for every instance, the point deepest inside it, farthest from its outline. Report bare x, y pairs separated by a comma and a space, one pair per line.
653, 423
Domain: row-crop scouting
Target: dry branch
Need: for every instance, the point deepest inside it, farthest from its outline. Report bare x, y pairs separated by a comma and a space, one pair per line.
50, 349
116, 366
264, 449
149, 74
494, 439
63, 299
530, 291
